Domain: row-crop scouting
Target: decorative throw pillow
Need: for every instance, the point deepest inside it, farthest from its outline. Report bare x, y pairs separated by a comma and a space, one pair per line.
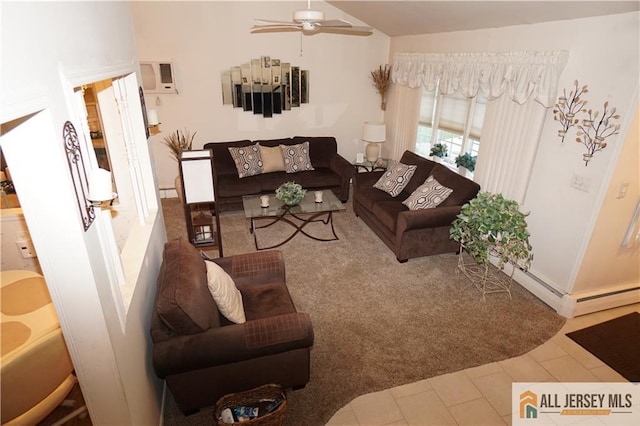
225, 293
394, 180
247, 159
272, 160
296, 157
428, 195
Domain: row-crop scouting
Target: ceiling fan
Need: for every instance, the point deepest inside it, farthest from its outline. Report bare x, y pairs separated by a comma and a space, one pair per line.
310, 21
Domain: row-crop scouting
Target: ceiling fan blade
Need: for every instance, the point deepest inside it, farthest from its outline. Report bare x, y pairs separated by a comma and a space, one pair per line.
346, 30
334, 23
288, 25
360, 29
270, 21
274, 29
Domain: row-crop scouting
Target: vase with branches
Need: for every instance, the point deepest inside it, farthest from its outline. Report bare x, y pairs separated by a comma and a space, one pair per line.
179, 141
381, 80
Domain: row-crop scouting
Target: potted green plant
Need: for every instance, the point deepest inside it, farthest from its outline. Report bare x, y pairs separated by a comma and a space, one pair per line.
439, 151
290, 193
178, 142
466, 161
492, 227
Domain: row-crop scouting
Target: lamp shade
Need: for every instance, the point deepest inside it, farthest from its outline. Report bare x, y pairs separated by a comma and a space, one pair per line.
196, 168
374, 131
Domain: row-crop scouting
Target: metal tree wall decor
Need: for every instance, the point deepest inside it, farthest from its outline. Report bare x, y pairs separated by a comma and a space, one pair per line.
593, 129
265, 86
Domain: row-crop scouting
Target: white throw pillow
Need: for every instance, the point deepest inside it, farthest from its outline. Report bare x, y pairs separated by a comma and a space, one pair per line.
225, 293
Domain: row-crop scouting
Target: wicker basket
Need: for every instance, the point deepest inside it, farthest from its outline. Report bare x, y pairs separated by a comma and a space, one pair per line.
274, 418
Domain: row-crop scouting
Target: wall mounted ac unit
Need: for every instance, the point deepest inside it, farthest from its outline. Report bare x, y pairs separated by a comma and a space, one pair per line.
158, 77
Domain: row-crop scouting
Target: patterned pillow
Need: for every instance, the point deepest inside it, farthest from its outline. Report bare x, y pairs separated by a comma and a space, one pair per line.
395, 178
247, 159
296, 157
428, 195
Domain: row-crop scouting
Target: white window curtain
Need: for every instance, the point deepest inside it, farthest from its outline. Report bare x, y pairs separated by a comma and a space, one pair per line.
512, 125
403, 114
508, 147
522, 75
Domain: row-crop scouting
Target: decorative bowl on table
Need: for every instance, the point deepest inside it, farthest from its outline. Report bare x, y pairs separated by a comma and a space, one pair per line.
290, 193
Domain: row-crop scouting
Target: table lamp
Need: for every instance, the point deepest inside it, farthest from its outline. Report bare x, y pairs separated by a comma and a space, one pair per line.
373, 132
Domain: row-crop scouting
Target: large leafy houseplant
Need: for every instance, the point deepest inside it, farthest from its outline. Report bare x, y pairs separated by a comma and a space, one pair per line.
491, 225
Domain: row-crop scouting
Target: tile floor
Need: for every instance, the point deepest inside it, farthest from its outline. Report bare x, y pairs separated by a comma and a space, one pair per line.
482, 395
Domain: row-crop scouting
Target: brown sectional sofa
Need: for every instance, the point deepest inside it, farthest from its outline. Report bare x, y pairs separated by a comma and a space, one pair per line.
332, 171
416, 233
202, 355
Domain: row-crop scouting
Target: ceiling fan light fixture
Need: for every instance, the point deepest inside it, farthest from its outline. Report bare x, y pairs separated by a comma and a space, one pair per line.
308, 26
308, 15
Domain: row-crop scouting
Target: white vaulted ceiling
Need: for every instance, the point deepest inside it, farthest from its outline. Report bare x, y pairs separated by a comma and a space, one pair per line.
401, 18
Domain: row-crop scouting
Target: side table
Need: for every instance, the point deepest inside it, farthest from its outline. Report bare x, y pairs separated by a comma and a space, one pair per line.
372, 166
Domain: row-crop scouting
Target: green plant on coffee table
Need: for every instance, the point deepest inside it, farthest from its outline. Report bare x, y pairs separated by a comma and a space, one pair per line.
178, 142
491, 225
290, 193
467, 161
439, 150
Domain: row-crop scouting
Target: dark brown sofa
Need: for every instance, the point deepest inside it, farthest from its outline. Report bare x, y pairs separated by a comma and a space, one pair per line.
414, 233
203, 356
332, 171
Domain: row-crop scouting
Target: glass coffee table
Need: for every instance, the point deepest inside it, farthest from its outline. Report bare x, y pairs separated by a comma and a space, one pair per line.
298, 216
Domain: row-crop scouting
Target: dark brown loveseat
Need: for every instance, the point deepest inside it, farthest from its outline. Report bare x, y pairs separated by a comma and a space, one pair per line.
332, 171
412, 233
202, 355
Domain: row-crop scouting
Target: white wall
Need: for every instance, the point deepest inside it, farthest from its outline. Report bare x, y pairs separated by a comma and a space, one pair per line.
205, 38
603, 53
606, 261
47, 49
12, 229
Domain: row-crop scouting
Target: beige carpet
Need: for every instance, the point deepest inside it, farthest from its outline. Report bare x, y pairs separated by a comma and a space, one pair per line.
379, 323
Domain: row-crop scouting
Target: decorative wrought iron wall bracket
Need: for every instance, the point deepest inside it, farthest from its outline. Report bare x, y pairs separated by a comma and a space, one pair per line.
78, 174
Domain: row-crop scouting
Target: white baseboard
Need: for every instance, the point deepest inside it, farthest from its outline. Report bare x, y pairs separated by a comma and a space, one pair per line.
585, 303
573, 305
168, 193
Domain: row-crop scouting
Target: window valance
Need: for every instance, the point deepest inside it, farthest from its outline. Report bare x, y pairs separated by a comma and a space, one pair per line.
522, 75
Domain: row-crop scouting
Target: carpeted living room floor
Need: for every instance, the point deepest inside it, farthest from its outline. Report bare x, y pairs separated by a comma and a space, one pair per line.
378, 323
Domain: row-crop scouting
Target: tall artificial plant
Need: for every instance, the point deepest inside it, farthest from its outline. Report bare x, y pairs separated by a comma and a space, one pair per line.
381, 80
178, 142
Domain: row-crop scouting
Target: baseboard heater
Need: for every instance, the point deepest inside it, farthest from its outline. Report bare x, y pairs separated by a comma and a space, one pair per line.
572, 305
609, 294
